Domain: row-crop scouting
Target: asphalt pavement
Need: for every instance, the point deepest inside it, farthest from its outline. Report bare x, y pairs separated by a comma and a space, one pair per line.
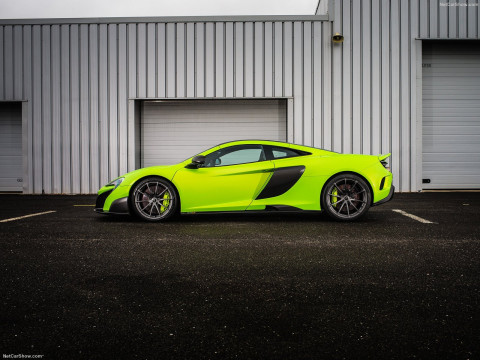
78, 285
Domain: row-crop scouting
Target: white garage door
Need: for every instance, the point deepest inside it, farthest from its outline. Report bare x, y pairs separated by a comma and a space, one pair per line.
10, 147
451, 115
172, 131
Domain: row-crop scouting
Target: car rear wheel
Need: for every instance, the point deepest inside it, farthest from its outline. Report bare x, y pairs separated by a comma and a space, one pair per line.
346, 197
154, 199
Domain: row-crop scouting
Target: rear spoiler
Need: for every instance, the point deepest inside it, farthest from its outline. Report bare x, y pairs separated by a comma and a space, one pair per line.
384, 156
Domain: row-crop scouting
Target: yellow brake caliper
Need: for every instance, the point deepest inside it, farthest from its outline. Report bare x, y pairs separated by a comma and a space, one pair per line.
334, 198
165, 202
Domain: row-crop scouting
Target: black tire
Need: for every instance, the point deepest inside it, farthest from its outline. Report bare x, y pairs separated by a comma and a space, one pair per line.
154, 199
346, 197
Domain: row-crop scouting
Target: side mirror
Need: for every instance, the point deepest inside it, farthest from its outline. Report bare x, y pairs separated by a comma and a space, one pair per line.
197, 161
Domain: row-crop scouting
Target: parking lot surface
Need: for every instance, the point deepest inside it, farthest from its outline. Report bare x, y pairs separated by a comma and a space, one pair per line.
255, 286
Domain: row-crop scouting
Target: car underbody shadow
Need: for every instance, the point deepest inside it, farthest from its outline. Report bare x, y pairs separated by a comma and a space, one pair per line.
254, 217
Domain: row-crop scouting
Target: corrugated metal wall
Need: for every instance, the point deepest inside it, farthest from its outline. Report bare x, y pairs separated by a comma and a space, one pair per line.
374, 72
359, 96
77, 79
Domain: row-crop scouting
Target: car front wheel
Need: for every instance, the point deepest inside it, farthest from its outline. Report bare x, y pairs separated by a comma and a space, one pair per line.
346, 197
154, 199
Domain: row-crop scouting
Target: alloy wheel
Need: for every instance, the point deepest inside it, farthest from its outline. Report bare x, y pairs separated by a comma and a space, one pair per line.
347, 197
153, 200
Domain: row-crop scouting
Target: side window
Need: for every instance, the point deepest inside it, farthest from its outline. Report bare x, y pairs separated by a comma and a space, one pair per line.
234, 155
281, 152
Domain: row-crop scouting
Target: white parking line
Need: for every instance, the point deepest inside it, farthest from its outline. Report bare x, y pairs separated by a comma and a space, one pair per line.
26, 216
414, 217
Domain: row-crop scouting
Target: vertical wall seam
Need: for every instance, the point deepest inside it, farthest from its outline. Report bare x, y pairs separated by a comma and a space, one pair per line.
400, 97
107, 38
13, 62
322, 102
41, 107
457, 15
213, 54
194, 59
204, 58
410, 128
438, 21
234, 60
342, 114
332, 92
60, 123
361, 74
390, 110
224, 59
254, 70
89, 108
352, 142
264, 59
117, 93
244, 58
156, 59
312, 84
2, 69
380, 26
127, 84
165, 85
50, 102
272, 84
370, 121
302, 79
70, 102
99, 131
2, 57
283, 59
292, 71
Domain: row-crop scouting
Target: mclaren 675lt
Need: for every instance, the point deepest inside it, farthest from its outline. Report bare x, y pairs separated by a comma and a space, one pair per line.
253, 175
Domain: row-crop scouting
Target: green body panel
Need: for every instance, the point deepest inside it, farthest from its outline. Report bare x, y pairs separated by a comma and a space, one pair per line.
224, 188
235, 187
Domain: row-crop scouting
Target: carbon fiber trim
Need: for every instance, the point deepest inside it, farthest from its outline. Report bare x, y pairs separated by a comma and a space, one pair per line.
119, 206
388, 198
281, 181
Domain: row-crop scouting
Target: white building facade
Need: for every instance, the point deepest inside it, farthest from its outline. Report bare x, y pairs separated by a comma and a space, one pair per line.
83, 101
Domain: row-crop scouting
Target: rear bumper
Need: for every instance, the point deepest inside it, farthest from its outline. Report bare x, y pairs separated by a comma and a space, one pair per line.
387, 199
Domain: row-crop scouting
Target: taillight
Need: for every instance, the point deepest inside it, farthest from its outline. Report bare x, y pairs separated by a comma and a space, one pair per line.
383, 159
385, 164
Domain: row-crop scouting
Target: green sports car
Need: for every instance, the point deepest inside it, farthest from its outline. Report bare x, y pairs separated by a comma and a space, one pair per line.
253, 176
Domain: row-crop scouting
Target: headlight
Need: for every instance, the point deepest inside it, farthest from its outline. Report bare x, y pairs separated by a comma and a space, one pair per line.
115, 182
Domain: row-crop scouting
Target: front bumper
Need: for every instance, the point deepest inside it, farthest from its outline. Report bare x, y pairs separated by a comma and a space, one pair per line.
118, 206
387, 199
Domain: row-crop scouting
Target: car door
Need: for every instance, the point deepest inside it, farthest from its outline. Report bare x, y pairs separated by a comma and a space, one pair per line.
228, 181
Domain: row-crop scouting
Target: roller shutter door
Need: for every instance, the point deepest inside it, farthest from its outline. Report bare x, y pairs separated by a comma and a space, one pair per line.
172, 131
451, 115
10, 147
